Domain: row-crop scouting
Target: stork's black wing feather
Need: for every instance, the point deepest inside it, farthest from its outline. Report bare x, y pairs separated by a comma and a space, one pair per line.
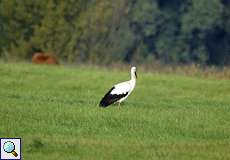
111, 98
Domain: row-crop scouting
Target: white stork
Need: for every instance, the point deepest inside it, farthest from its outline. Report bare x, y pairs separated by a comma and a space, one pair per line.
119, 92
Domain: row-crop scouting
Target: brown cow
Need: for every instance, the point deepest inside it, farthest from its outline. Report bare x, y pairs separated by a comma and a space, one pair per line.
44, 58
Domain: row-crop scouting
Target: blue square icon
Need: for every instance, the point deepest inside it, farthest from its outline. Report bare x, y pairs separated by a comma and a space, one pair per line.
10, 148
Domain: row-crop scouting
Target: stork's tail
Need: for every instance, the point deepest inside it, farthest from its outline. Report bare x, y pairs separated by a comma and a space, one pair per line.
106, 100
103, 103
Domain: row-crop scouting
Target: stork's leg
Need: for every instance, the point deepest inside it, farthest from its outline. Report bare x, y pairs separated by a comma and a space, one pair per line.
119, 105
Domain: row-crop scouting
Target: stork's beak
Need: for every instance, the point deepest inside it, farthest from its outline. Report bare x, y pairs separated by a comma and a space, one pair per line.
136, 74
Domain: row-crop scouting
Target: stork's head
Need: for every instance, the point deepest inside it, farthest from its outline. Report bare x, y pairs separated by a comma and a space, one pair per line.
134, 72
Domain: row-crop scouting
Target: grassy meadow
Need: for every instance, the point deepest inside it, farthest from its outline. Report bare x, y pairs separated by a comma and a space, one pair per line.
54, 109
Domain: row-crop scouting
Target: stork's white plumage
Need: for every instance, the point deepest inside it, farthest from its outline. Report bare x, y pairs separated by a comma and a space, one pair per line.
119, 92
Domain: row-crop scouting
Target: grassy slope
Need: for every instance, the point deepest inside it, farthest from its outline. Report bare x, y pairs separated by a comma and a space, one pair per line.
54, 110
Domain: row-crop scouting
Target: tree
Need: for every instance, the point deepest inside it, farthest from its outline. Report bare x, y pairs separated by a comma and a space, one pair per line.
103, 31
203, 16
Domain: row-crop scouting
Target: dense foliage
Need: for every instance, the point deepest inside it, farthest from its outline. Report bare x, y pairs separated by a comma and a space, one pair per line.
102, 31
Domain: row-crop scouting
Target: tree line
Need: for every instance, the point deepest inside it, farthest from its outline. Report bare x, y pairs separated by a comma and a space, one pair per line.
104, 31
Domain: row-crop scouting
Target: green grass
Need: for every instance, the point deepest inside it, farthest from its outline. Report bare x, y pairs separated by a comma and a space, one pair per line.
55, 112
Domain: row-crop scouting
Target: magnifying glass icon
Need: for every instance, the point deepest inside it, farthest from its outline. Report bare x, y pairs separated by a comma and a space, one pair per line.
9, 147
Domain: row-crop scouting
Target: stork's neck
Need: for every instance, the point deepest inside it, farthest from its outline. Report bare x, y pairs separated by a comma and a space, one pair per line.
133, 77
132, 82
